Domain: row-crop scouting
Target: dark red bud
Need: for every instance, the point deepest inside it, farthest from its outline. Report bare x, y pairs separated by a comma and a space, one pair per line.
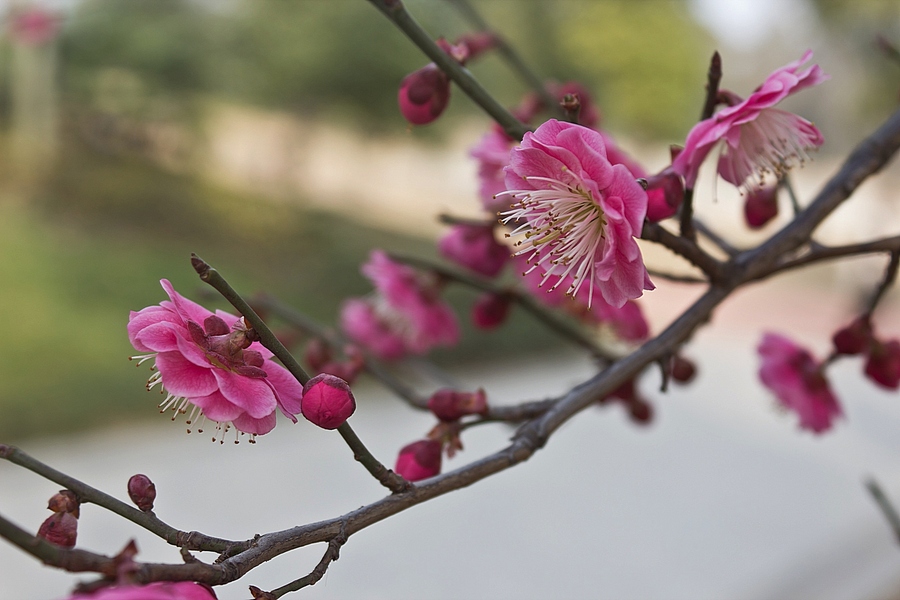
641, 412
450, 405
761, 206
854, 338
424, 94
142, 492
327, 401
317, 353
883, 364
683, 370
61, 528
490, 311
419, 460
665, 192
624, 392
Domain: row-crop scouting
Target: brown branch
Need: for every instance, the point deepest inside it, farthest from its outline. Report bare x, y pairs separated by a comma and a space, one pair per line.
684, 247
331, 555
890, 276
192, 540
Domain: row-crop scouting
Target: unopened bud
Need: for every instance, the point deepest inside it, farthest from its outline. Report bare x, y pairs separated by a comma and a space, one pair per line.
327, 401
761, 206
854, 338
61, 528
142, 492
883, 365
641, 412
683, 370
450, 405
424, 94
317, 354
665, 192
419, 460
490, 311
64, 501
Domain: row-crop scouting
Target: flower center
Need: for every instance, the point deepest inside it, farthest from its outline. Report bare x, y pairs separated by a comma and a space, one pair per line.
563, 227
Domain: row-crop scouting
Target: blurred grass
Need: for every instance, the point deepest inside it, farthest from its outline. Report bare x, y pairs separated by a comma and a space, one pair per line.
93, 243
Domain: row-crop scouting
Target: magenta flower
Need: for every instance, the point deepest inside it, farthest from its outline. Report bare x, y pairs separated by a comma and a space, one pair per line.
404, 316
160, 590
758, 138
578, 213
797, 380
474, 247
212, 369
448, 404
883, 363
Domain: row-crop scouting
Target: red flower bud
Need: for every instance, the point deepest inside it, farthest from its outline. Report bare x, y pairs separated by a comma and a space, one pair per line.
419, 460
490, 311
424, 94
683, 370
641, 412
142, 492
854, 338
449, 405
327, 401
883, 365
761, 206
64, 501
317, 354
61, 529
665, 192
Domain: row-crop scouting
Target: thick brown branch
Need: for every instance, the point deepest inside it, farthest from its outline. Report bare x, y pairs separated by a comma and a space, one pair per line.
684, 247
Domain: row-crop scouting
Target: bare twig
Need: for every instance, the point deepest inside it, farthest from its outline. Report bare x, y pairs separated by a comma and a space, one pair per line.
884, 503
331, 555
397, 13
890, 276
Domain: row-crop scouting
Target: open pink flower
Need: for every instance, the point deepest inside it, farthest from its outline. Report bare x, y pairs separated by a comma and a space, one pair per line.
404, 316
206, 362
577, 212
758, 138
797, 380
160, 590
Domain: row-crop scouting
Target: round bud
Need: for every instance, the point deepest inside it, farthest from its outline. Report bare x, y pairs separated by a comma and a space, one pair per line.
142, 492
327, 401
419, 460
854, 338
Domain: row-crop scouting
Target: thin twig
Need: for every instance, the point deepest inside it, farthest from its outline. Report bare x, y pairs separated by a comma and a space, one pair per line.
884, 503
192, 540
331, 555
510, 55
785, 182
397, 13
268, 339
684, 247
556, 324
715, 238
675, 277
890, 276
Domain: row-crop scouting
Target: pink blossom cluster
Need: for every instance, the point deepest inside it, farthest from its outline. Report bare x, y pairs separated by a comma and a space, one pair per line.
404, 316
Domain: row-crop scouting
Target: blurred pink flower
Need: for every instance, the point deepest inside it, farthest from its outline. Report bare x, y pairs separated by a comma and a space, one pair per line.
404, 316
883, 363
797, 380
474, 247
33, 26
758, 138
577, 212
213, 368
492, 154
490, 311
160, 590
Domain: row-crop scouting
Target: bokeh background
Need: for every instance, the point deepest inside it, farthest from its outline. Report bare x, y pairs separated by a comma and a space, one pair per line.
264, 136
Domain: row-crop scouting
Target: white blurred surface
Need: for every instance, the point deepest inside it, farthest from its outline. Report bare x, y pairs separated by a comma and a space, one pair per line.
722, 497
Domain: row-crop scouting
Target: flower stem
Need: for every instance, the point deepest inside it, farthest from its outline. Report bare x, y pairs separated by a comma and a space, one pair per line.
509, 54
397, 13
266, 337
385, 476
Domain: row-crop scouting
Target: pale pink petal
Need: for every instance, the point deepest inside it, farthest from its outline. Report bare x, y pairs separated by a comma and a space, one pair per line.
186, 309
217, 407
287, 388
259, 426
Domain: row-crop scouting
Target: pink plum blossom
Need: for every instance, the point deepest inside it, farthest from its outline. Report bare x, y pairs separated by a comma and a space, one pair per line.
160, 590
758, 138
492, 154
474, 247
404, 316
797, 380
206, 362
578, 213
